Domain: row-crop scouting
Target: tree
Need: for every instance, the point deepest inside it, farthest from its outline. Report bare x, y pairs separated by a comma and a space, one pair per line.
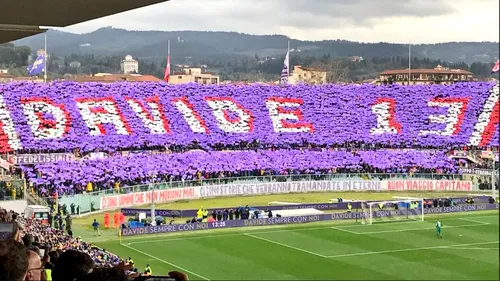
337, 69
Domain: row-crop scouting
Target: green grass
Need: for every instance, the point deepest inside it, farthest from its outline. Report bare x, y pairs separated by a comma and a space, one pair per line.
318, 251
333, 250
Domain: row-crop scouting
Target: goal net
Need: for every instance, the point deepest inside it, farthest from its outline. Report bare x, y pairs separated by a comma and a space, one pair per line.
393, 210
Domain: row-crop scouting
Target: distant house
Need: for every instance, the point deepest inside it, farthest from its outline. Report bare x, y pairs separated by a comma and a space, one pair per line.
194, 75
307, 75
129, 65
356, 58
75, 64
438, 75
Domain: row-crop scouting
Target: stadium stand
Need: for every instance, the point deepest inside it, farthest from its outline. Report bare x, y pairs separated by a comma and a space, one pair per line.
129, 134
61, 256
125, 134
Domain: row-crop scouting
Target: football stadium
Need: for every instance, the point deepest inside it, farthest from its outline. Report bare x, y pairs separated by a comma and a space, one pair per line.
269, 182
248, 182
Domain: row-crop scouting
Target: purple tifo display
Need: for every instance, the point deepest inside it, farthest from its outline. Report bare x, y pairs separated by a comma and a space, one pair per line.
299, 219
62, 116
139, 167
318, 206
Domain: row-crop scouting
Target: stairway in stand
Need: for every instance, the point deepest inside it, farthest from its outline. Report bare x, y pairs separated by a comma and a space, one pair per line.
34, 199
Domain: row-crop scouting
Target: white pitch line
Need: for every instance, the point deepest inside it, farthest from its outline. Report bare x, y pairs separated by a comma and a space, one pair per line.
345, 230
476, 221
286, 245
479, 217
166, 262
389, 222
467, 248
412, 229
409, 250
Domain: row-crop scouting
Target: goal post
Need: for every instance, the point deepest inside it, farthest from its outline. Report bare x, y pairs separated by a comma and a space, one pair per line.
399, 209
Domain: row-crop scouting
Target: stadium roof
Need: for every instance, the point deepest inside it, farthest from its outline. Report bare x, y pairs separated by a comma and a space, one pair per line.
22, 18
13, 32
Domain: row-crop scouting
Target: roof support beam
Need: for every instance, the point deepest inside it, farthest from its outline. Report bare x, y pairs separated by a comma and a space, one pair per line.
10, 32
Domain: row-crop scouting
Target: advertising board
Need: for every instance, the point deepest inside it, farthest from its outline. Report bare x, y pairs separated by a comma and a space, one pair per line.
317, 206
295, 220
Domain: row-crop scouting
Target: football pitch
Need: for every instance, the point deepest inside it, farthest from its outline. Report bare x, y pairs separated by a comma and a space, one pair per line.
337, 250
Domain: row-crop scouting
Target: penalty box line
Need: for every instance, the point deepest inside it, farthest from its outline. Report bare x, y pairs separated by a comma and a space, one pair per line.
371, 253
285, 245
411, 249
476, 223
166, 262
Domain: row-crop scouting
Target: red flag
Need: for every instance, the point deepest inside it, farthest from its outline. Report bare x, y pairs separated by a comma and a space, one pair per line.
496, 67
167, 70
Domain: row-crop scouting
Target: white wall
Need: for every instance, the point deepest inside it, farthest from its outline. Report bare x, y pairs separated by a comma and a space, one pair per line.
16, 205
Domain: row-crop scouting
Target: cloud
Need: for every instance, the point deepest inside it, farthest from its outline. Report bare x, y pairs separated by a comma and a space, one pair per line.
360, 20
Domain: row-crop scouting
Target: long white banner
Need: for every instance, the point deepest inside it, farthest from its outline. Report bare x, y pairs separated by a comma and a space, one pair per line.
174, 194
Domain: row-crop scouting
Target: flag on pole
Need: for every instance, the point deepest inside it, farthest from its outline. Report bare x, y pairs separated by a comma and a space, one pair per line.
495, 67
167, 70
38, 66
166, 77
286, 68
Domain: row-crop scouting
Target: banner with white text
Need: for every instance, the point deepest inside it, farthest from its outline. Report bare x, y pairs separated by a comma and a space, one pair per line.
174, 194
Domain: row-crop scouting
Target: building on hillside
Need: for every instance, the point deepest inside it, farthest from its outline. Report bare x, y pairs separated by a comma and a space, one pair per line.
438, 75
6, 78
75, 64
356, 58
307, 75
110, 78
194, 75
129, 65
4, 71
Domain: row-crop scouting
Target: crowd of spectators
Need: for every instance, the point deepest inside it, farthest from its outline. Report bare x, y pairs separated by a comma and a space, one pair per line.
121, 171
36, 251
330, 118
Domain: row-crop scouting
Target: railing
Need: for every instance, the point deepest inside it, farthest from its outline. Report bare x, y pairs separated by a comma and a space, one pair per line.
90, 202
34, 199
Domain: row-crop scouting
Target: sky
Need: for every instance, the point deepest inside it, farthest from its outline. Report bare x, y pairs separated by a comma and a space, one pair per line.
399, 21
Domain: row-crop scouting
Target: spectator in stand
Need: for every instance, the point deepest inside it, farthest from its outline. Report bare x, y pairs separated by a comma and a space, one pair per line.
35, 269
105, 274
2, 194
28, 240
64, 258
14, 260
71, 265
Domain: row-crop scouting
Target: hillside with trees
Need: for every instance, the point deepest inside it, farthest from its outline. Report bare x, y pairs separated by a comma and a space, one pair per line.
240, 57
